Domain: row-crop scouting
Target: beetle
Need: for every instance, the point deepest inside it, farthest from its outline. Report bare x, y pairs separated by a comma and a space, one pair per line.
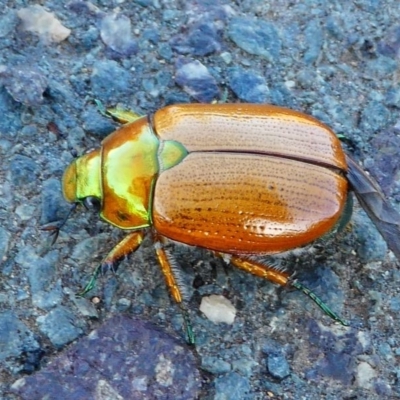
241, 180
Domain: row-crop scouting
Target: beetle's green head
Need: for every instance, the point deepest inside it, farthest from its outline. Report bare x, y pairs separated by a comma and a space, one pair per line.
82, 178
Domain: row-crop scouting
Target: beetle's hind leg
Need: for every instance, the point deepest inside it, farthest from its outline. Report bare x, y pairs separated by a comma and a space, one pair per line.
282, 278
126, 246
174, 282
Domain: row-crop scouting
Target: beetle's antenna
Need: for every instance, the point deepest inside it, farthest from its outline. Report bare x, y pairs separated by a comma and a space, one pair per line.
55, 229
318, 302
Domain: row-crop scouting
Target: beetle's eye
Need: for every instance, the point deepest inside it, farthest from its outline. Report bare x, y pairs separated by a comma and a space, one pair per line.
91, 203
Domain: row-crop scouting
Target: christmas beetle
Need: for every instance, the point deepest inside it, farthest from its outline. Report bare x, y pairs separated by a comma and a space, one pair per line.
242, 180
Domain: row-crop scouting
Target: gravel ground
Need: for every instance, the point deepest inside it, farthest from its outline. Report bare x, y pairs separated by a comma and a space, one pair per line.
338, 61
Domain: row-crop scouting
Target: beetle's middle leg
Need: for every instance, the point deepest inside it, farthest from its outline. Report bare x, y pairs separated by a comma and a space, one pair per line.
282, 278
173, 281
126, 246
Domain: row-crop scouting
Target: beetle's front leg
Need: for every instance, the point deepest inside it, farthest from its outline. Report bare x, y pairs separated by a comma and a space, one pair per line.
125, 247
282, 278
119, 114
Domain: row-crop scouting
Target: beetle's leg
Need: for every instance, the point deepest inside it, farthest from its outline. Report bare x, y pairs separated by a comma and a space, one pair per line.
126, 246
172, 279
118, 114
256, 268
282, 278
318, 302
121, 115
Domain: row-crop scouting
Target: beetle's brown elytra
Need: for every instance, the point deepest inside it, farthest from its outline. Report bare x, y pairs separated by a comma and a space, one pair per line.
264, 205
242, 180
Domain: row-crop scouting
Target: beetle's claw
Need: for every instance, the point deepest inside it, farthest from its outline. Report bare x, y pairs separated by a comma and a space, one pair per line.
100, 107
91, 284
102, 269
87, 288
324, 307
188, 326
